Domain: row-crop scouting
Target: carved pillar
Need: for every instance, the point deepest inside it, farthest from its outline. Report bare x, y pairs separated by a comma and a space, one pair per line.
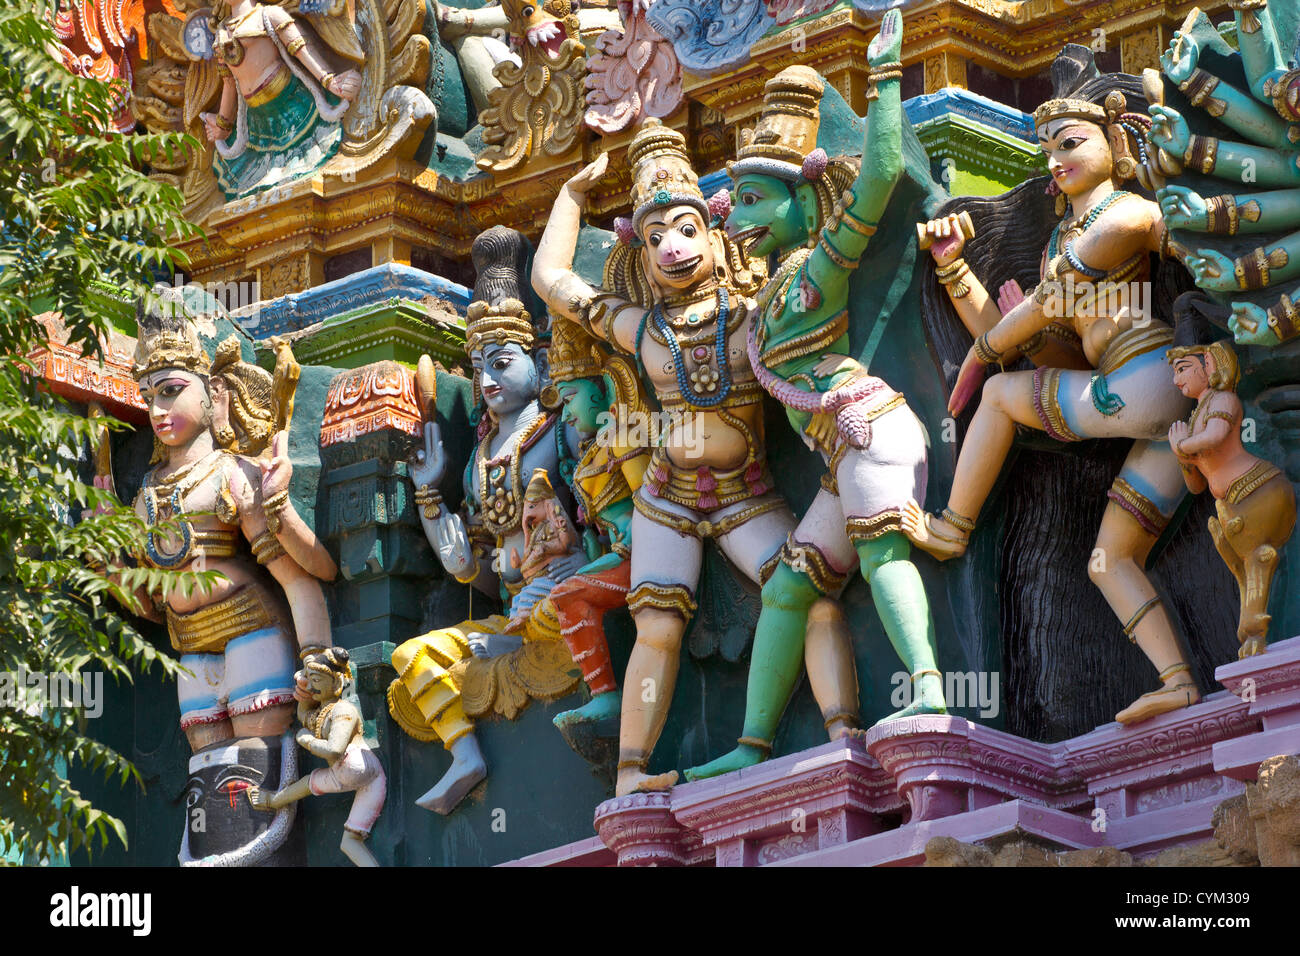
371, 416
292, 273
641, 830
943, 70
1141, 49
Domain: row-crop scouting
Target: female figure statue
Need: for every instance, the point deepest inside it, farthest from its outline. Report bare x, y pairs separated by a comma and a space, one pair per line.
602, 401
1093, 273
1254, 501
236, 637
275, 121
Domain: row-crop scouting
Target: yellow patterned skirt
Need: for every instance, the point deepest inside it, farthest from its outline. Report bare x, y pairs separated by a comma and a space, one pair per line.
441, 686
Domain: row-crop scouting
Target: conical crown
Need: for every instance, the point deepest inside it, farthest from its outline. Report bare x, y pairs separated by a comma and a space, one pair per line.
498, 313
661, 172
787, 130
167, 338
573, 353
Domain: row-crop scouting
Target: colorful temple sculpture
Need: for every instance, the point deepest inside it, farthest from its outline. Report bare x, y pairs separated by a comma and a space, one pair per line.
555, 386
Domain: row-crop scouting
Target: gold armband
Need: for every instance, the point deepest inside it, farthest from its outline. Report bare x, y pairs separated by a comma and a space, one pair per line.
1202, 153
1284, 319
429, 499
1199, 87
1250, 23
296, 44
885, 71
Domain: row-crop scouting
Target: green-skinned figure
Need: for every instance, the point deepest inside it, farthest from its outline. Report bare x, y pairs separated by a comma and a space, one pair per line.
1259, 176
816, 216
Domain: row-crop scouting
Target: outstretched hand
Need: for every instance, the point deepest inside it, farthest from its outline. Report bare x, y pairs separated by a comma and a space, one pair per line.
278, 470
584, 179
887, 46
969, 380
1249, 325
1212, 270
1179, 61
1182, 208
1169, 131
1010, 295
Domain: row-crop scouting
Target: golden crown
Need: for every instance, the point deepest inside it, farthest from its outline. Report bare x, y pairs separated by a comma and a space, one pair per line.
1082, 109
506, 321
166, 338
661, 172
787, 130
573, 353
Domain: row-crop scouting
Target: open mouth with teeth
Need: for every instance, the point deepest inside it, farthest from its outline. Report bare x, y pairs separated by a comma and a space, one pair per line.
680, 270
746, 239
549, 36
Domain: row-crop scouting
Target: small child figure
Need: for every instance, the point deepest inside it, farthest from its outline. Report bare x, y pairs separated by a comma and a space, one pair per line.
548, 535
1254, 500
331, 728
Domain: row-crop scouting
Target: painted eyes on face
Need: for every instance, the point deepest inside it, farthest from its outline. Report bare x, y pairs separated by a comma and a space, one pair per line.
748, 198
656, 238
501, 362
527, 12
688, 230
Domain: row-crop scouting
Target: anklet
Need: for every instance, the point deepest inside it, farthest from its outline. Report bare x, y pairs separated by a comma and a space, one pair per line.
960, 522
928, 670
1170, 671
632, 764
842, 715
763, 745
1140, 613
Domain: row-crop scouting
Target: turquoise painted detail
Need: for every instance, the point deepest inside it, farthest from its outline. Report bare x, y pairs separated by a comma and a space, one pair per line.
1103, 399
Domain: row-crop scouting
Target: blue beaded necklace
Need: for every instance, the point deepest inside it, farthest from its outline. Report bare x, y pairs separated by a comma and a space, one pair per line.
719, 349
1053, 247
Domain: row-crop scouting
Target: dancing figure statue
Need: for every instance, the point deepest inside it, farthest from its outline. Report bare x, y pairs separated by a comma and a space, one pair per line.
1093, 274
276, 120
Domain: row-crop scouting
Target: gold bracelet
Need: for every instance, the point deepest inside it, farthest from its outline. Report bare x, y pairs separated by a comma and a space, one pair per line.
954, 279
985, 352
271, 509
327, 78
1221, 216
429, 499
960, 522
1283, 319
470, 575
1202, 153
224, 123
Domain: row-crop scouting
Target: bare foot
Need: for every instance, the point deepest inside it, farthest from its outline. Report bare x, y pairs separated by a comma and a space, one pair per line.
1181, 692
1251, 646
633, 780
932, 534
841, 727
355, 849
467, 770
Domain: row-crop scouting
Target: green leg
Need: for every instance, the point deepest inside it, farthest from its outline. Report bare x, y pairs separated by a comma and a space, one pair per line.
774, 667
904, 611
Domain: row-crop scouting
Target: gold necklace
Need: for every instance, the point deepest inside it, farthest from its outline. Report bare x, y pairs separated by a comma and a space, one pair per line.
500, 486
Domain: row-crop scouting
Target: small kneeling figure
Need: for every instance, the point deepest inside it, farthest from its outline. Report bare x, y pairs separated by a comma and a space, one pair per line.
1254, 500
332, 729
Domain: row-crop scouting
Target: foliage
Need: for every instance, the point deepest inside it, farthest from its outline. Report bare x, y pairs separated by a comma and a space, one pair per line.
77, 209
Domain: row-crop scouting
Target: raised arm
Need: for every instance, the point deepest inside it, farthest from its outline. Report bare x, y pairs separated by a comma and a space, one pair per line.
882, 165
1257, 40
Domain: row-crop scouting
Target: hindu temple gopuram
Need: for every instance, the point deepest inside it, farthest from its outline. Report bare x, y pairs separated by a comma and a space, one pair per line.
711, 432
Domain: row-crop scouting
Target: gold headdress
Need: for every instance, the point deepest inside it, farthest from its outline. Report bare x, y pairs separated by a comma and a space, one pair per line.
167, 338
574, 353
1075, 109
498, 324
252, 409
661, 172
786, 134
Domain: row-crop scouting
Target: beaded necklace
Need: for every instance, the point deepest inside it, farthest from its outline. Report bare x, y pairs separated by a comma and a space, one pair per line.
707, 387
1053, 247
180, 488
499, 481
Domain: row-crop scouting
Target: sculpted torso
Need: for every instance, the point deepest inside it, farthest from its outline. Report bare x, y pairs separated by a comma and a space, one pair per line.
238, 571
242, 44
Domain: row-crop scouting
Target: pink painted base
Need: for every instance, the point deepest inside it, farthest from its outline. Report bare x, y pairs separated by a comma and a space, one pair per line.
876, 800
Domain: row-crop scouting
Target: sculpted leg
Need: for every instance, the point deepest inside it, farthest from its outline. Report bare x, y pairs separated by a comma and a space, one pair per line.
832, 669
1008, 400
774, 668
1117, 569
467, 770
205, 735
650, 679
904, 610
581, 603
267, 722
